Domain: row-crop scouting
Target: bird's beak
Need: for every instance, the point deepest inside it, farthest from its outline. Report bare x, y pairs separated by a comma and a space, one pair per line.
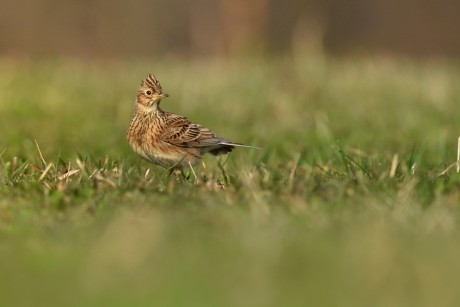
164, 95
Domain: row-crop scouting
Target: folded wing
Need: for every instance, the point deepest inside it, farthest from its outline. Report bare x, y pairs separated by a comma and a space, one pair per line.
179, 131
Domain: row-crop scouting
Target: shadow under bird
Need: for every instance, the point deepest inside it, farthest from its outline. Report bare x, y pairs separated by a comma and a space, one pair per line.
168, 139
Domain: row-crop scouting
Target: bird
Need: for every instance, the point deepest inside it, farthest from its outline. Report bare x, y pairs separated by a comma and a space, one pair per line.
167, 139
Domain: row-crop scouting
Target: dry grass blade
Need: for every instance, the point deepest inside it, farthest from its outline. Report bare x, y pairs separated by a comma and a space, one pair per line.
15, 163
40, 153
45, 172
394, 165
358, 152
447, 169
109, 181
68, 174
456, 163
293, 170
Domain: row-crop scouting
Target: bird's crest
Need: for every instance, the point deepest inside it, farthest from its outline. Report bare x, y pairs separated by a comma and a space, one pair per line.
152, 82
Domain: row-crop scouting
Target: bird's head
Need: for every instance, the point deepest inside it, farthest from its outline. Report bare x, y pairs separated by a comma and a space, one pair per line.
150, 92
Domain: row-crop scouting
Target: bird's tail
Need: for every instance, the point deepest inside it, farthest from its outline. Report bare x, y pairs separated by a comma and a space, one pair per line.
239, 145
226, 147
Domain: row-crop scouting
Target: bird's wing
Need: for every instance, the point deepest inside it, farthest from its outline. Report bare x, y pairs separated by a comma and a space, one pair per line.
180, 131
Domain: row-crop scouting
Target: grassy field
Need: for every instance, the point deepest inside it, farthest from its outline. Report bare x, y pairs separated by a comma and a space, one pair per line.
351, 202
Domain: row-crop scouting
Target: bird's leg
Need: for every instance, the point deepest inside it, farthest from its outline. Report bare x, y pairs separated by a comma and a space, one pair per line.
175, 168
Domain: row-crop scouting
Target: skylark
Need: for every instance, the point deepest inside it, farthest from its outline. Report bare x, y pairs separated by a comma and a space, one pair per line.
168, 139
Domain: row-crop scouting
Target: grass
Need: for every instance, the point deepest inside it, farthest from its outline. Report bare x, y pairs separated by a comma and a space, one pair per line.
351, 202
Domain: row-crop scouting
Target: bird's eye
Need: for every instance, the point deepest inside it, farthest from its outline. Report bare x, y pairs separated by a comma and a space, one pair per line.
149, 92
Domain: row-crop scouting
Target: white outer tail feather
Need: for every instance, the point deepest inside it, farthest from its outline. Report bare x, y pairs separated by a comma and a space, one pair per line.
239, 145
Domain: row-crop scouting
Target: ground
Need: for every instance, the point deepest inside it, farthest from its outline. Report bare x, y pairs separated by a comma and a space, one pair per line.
354, 200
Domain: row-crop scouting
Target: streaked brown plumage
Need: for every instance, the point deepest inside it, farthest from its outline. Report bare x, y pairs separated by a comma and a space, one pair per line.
169, 139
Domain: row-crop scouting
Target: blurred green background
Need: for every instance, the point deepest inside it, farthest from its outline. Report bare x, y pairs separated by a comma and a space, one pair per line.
205, 27
354, 200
